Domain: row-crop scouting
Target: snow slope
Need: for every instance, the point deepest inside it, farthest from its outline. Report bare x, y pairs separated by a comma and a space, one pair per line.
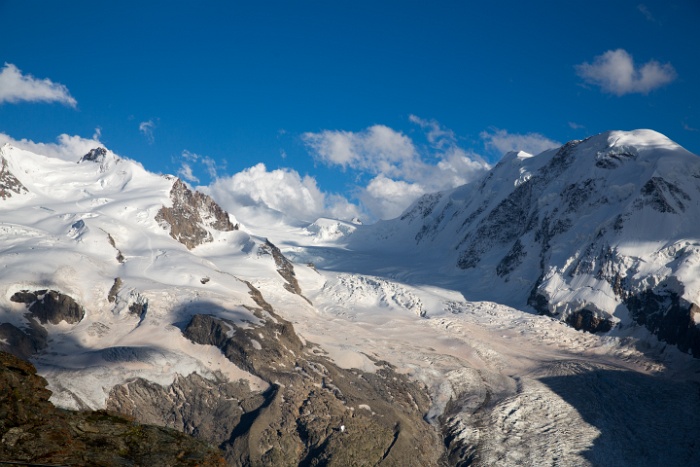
423, 292
592, 233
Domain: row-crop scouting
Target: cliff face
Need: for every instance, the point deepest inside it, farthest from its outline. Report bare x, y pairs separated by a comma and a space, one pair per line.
312, 413
9, 185
32, 430
192, 215
601, 234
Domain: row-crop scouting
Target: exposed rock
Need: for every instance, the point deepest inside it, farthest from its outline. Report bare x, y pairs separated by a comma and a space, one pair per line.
587, 320
512, 260
614, 158
9, 184
94, 155
668, 316
51, 306
33, 431
313, 413
23, 343
139, 306
284, 267
663, 196
209, 410
190, 216
112, 295
120, 256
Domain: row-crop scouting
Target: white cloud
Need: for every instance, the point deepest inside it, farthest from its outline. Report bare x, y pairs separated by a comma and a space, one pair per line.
16, 87
438, 136
147, 128
69, 148
185, 172
188, 159
576, 126
615, 72
385, 198
283, 190
401, 170
378, 149
503, 142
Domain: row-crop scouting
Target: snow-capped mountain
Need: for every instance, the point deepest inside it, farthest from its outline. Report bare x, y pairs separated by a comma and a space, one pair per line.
407, 342
602, 233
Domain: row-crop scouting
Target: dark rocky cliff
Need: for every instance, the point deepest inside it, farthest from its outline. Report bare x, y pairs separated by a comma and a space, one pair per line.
33, 431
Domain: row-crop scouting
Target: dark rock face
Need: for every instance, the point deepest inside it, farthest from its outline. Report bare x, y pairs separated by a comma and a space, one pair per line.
209, 410
9, 185
23, 343
586, 320
120, 256
33, 431
284, 267
313, 413
668, 316
51, 306
190, 213
114, 290
663, 196
95, 155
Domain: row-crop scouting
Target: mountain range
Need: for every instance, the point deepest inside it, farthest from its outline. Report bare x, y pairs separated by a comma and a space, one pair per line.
546, 313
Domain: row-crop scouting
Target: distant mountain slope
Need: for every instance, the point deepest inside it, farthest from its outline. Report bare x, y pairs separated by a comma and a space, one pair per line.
601, 233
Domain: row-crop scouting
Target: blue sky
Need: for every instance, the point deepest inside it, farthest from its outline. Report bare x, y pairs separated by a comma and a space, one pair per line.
353, 107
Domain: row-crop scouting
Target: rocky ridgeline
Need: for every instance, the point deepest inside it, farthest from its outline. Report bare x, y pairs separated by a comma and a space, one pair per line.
312, 413
33, 431
191, 214
9, 185
556, 227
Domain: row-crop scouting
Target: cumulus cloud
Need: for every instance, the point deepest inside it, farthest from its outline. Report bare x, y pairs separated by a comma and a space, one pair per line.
69, 148
502, 142
386, 198
283, 190
147, 128
616, 73
16, 87
378, 149
401, 171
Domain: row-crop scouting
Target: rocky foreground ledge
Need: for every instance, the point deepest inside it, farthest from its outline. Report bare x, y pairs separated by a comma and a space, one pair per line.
32, 430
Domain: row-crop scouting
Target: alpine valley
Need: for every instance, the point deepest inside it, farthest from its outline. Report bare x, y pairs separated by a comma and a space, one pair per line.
546, 314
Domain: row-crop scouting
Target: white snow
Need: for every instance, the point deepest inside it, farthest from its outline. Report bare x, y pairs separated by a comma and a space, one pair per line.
376, 292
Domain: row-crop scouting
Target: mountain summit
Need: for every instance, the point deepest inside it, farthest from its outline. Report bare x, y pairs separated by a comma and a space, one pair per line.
522, 318
602, 233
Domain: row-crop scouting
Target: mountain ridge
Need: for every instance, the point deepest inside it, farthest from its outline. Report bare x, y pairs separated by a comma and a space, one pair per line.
334, 342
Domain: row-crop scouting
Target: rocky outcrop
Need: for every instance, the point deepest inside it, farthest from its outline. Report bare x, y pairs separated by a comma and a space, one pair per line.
191, 214
668, 316
9, 184
284, 267
587, 320
33, 431
23, 343
313, 412
94, 155
50, 306
120, 256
